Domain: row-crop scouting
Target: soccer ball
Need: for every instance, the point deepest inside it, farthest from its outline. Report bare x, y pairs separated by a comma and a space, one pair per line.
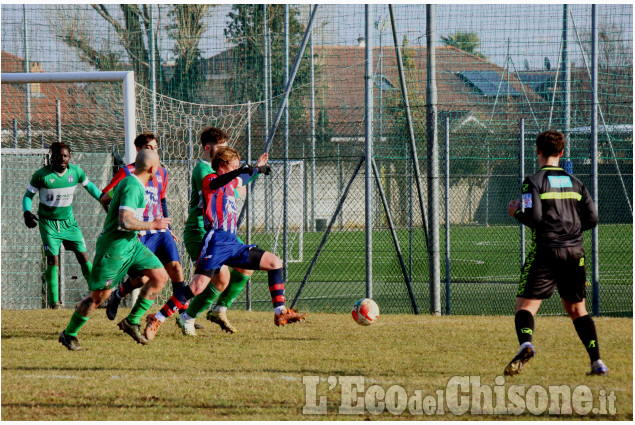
365, 312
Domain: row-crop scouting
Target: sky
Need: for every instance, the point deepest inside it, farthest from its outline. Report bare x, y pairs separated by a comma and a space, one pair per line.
529, 33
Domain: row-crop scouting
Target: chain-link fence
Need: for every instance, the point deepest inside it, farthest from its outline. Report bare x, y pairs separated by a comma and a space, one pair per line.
495, 66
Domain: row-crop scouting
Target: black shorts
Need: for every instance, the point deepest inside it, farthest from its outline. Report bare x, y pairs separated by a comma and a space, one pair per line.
547, 268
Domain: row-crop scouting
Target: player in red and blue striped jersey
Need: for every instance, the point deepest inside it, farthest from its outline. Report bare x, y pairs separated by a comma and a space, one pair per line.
221, 245
161, 242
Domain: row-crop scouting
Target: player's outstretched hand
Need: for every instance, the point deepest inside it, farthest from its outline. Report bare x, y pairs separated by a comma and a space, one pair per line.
161, 223
263, 159
513, 206
30, 219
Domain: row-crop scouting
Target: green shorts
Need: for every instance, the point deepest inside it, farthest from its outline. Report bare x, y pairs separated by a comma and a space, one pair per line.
192, 239
111, 265
56, 232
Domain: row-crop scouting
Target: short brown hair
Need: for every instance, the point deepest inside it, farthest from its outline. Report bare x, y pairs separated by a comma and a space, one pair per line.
224, 155
143, 139
212, 136
550, 143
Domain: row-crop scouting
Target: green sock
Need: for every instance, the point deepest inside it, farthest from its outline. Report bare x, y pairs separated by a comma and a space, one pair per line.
76, 323
140, 307
52, 284
237, 282
202, 301
87, 267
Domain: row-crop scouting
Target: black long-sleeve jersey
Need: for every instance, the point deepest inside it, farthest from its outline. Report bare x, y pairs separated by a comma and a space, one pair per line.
557, 207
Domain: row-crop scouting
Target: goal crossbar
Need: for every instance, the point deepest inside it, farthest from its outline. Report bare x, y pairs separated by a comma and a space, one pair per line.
126, 77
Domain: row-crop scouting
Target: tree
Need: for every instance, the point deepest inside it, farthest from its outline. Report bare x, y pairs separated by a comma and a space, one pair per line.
130, 23
467, 41
245, 30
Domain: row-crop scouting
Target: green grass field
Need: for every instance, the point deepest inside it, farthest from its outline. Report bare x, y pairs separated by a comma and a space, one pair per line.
485, 268
257, 374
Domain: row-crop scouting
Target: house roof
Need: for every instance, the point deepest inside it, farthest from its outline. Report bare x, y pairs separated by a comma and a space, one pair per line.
81, 111
339, 85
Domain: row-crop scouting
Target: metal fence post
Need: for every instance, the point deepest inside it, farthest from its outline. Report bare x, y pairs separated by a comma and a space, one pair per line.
447, 216
521, 178
368, 170
594, 156
433, 165
248, 201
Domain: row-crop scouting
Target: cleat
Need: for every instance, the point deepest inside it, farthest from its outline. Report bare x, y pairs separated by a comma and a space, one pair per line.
288, 316
220, 318
197, 326
527, 351
187, 326
69, 342
55, 306
599, 369
113, 305
152, 326
133, 330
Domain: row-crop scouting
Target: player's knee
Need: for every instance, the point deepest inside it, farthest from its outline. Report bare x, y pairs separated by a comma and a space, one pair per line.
273, 262
53, 260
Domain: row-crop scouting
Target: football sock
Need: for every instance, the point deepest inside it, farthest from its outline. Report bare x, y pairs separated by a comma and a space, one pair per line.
176, 302
87, 267
51, 284
276, 288
585, 327
524, 326
140, 307
125, 288
220, 308
177, 285
77, 321
202, 301
237, 282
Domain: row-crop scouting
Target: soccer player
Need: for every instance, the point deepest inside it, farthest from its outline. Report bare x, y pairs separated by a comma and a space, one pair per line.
56, 185
211, 139
557, 208
160, 242
118, 249
221, 246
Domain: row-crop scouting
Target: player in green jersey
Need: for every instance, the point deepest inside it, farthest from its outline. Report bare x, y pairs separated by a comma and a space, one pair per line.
211, 139
119, 249
56, 185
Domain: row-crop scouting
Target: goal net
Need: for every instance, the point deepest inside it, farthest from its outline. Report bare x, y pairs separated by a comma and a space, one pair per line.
89, 117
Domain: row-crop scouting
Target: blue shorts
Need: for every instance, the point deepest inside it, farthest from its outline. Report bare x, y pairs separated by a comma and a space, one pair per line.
162, 245
221, 248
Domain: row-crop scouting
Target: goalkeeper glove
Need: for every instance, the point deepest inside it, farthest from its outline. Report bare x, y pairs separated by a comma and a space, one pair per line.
30, 219
264, 169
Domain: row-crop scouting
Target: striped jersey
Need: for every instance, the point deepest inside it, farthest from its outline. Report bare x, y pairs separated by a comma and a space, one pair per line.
219, 205
558, 208
155, 190
56, 190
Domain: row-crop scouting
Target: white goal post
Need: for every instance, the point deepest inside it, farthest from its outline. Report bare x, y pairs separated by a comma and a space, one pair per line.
126, 77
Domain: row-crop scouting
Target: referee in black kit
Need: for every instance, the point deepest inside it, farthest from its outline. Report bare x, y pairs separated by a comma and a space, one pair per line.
557, 208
